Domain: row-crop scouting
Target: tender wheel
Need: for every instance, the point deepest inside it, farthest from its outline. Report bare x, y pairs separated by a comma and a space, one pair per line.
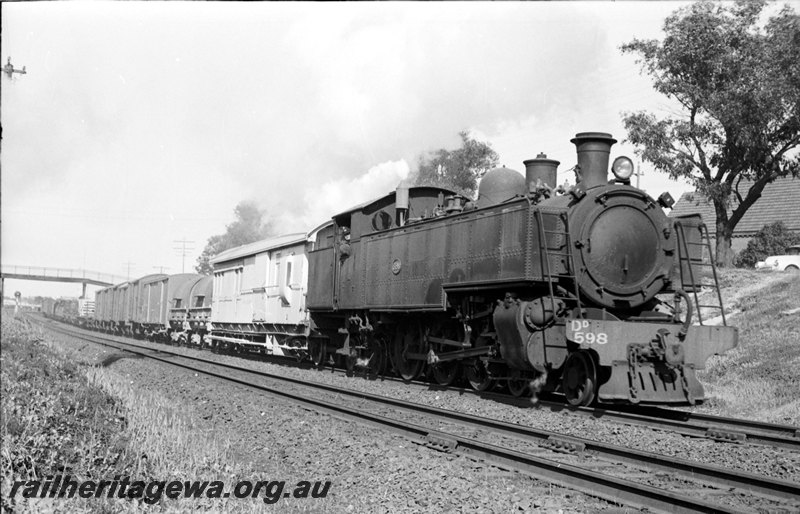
579, 379
478, 377
408, 341
517, 384
445, 373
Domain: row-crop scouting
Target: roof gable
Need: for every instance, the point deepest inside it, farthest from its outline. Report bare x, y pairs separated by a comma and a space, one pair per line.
780, 201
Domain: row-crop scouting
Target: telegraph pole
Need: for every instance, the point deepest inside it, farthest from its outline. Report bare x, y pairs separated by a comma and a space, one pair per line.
184, 250
161, 268
638, 173
9, 69
129, 264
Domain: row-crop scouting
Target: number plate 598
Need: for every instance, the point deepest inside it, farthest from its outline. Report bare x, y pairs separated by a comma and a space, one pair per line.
582, 335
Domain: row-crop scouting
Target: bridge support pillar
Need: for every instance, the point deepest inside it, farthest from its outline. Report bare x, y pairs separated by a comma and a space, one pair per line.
83, 294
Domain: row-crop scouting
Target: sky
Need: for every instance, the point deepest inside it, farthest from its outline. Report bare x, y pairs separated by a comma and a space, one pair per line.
143, 124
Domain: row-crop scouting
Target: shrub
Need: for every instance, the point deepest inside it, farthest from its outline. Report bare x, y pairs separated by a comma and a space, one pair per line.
770, 240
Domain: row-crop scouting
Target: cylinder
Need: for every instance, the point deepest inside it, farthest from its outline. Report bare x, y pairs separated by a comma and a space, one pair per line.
593, 150
541, 169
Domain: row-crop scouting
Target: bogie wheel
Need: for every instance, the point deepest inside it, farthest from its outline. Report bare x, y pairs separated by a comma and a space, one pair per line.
579, 380
299, 353
478, 377
517, 384
407, 341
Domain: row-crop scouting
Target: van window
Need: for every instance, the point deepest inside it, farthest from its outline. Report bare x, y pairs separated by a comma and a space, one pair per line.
237, 281
275, 272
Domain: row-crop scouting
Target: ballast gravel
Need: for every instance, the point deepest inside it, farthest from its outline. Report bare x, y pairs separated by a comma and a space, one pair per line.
763, 460
370, 470
376, 471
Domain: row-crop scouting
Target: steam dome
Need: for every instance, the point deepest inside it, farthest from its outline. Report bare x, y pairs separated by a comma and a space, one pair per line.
498, 185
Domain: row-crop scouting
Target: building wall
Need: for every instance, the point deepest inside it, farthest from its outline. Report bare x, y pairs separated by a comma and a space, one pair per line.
737, 243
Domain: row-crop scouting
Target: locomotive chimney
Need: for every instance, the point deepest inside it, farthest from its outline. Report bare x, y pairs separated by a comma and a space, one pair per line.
593, 150
540, 169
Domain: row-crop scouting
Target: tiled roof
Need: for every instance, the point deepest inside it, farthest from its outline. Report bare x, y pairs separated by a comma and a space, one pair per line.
780, 201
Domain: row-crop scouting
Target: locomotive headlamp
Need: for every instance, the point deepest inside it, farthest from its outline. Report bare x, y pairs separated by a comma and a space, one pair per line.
622, 168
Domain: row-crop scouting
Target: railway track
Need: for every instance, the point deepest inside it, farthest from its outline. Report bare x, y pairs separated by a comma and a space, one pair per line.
690, 424
719, 428
686, 423
611, 472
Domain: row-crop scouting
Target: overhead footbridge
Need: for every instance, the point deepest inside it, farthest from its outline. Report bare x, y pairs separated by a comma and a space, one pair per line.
59, 275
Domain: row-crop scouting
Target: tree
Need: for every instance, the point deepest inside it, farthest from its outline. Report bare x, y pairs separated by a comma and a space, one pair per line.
459, 169
738, 83
248, 227
772, 239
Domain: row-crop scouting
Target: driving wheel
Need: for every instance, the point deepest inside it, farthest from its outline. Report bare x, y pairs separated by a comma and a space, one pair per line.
408, 341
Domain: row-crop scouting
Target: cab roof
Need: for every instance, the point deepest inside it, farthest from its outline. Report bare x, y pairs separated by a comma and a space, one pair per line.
368, 203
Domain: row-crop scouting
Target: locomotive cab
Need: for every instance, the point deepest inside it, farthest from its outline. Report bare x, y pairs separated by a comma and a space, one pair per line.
338, 260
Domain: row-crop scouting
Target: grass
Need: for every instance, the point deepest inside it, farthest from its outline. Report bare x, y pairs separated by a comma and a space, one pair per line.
60, 415
759, 379
51, 421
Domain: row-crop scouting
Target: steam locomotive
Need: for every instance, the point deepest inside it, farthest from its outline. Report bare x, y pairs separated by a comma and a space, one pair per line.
589, 292
522, 285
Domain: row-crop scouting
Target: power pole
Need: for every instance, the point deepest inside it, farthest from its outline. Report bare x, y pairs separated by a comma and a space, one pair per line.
184, 250
9, 69
638, 173
129, 264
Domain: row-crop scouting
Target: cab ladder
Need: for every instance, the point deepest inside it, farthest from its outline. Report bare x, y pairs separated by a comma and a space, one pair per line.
684, 256
546, 253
